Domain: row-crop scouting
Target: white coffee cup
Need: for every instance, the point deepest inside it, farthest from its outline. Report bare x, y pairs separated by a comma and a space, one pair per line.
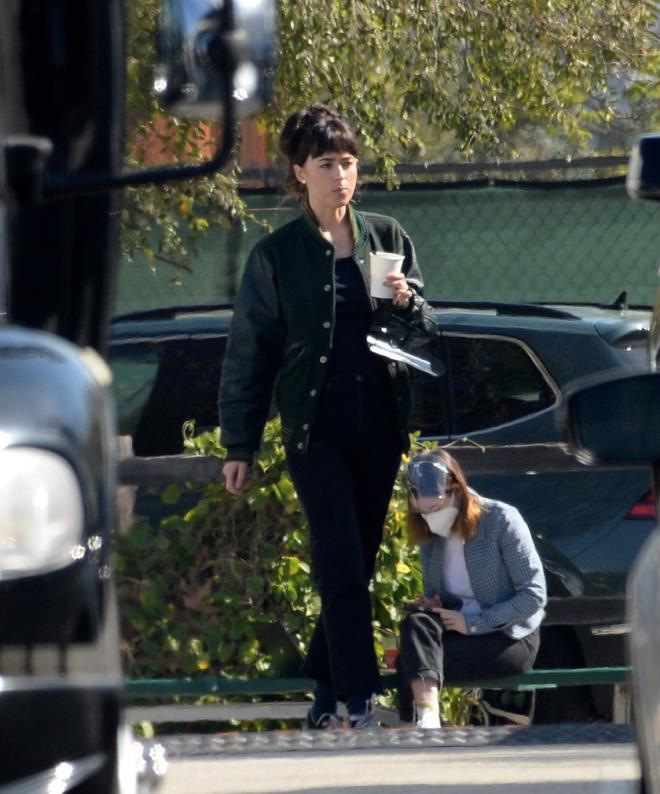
381, 265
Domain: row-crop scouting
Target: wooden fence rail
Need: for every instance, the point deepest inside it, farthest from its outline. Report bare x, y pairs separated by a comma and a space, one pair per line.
475, 460
604, 613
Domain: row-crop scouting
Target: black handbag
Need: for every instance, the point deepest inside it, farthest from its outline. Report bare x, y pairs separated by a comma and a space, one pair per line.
414, 343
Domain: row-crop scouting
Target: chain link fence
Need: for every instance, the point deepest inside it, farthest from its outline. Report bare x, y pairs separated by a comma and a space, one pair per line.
570, 241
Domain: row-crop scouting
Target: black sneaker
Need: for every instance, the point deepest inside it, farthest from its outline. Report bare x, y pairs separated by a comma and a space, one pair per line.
326, 722
366, 721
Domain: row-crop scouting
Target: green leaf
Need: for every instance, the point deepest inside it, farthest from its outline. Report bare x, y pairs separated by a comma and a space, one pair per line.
226, 651
255, 587
171, 494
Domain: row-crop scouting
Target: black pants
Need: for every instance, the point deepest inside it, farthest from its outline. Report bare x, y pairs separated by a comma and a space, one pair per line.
344, 483
429, 651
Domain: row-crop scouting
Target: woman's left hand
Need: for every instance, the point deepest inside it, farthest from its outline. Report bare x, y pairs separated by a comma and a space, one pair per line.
452, 620
401, 292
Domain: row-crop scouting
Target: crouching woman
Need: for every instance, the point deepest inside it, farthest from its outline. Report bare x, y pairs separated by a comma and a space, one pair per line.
484, 587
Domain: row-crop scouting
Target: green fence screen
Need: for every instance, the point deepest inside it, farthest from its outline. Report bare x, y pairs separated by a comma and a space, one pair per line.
552, 242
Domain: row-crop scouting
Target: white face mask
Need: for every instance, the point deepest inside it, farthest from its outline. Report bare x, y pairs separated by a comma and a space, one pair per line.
440, 522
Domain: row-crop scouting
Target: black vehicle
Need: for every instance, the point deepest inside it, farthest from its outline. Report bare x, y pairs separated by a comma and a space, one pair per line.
616, 421
506, 366
61, 110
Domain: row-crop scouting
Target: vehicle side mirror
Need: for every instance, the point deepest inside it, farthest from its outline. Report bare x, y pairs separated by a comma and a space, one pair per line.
614, 419
643, 178
216, 61
213, 53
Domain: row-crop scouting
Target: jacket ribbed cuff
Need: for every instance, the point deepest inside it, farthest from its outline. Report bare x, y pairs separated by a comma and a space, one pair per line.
240, 454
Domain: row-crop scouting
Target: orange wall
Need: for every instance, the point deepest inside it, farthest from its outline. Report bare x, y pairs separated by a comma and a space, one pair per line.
152, 149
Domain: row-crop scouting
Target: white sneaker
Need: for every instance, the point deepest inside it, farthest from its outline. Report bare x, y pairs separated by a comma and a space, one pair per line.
429, 720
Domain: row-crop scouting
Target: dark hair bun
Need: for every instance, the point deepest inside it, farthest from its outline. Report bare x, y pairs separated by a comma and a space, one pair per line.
291, 125
304, 120
310, 133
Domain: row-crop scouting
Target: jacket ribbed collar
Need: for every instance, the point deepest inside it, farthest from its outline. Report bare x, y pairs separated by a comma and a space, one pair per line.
358, 226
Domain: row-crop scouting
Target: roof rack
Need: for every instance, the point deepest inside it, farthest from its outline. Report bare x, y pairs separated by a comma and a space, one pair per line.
501, 307
167, 312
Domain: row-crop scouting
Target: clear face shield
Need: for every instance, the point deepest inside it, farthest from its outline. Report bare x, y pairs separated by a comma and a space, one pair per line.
430, 494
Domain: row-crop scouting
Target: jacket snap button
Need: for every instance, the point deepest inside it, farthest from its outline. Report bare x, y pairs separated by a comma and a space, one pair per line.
323, 359
327, 287
299, 445
305, 427
313, 392
328, 251
326, 324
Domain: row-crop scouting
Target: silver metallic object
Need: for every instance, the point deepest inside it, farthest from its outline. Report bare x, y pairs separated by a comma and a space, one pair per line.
395, 338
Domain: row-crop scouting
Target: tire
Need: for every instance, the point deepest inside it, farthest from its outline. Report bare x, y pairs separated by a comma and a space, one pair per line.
560, 649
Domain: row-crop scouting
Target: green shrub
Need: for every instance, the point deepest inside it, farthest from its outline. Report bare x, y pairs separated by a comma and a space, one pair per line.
192, 590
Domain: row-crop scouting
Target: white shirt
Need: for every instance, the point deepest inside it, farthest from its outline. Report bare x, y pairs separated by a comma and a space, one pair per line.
455, 575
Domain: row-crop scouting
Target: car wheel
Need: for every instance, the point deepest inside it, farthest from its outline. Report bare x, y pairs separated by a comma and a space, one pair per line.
560, 649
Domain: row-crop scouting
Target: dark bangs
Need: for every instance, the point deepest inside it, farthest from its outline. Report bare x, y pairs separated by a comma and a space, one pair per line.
329, 136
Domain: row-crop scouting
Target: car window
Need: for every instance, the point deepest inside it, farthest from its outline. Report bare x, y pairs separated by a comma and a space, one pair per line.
162, 383
489, 382
134, 371
428, 404
493, 381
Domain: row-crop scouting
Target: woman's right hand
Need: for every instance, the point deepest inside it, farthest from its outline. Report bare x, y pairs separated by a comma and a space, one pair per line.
236, 475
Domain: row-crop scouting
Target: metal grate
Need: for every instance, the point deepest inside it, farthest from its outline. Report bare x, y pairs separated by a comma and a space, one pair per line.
189, 745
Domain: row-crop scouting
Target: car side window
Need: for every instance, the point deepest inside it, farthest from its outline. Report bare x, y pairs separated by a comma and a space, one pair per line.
493, 381
134, 371
160, 385
428, 415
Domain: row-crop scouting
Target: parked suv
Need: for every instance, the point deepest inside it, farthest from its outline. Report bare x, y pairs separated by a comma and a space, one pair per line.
506, 365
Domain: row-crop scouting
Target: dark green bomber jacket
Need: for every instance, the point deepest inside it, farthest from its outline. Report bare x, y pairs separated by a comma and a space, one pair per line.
281, 333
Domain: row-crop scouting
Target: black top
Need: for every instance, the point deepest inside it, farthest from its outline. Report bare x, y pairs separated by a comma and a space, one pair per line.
350, 351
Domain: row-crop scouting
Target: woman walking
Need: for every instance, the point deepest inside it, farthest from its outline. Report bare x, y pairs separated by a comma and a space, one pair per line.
299, 333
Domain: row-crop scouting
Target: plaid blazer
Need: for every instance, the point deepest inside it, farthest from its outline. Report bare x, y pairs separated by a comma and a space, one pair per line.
505, 572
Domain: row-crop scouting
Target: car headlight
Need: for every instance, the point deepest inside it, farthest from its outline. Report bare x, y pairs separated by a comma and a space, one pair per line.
41, 512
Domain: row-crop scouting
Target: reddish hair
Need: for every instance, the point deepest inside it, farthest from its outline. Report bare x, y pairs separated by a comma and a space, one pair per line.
469, 506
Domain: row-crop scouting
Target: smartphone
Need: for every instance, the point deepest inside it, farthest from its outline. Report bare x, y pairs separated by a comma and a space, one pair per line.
411, 606
450, 602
